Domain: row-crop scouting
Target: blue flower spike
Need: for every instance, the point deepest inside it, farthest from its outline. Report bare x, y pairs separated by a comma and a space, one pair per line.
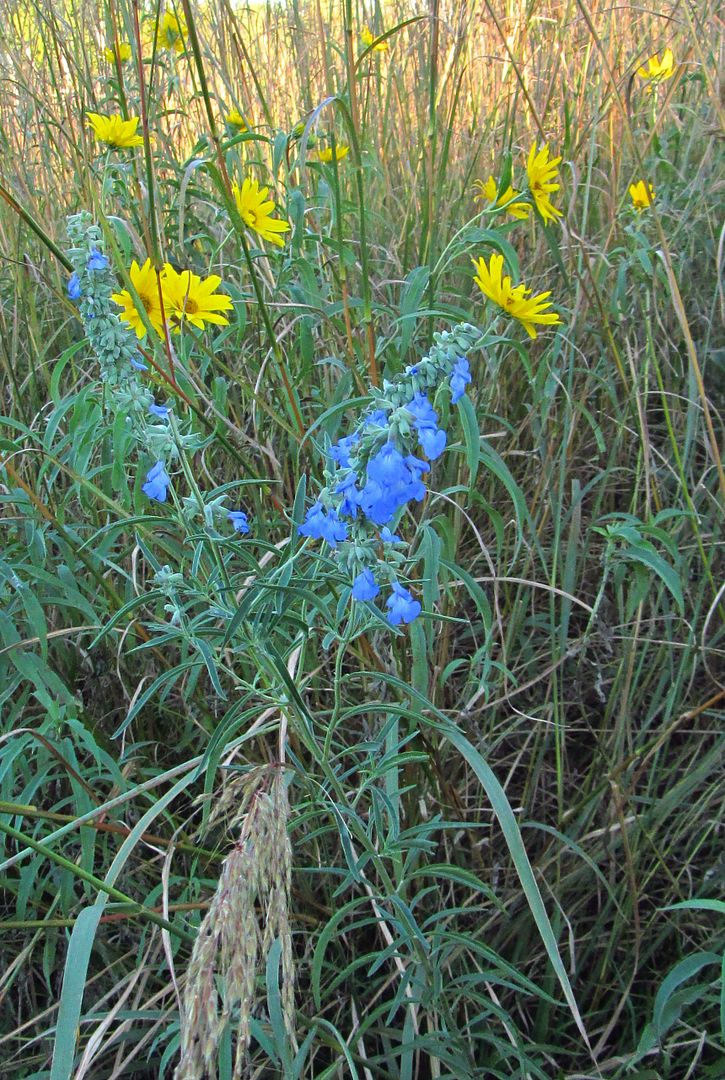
460, 376
157, 483
320, 524
162, 411
239, 520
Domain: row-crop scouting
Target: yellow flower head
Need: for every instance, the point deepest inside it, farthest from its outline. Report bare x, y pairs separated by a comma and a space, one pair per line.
236, 120
172, 32
188, 297
489, 190
367, 37
643, 195
341, 151
542, 175
124, 53
529, 310
145, 280
657, 69
256, 211
114, 131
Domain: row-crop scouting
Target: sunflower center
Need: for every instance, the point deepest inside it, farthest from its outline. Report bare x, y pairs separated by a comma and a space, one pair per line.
190, 306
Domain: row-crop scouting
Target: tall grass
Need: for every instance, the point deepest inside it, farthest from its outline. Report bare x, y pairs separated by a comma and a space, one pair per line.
489, 845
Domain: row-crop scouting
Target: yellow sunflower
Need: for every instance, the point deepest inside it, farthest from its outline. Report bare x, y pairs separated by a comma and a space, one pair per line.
542, 175
114, 130
124, 53
367, 37
256, 210
145, 280
657, 69
513, 299
188, 297
341, 151
172, 32
489, 190
643, 194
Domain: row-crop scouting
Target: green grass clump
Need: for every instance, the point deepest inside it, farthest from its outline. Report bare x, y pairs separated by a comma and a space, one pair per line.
250, 828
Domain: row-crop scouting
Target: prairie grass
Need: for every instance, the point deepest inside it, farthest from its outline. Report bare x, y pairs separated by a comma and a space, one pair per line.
249, 829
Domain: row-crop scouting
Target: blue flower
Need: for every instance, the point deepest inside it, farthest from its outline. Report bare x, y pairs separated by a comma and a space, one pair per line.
162, 411
348, 488
157, 482
322, 525
460, 375
239, 520
97, 260
138, 365
391, 482
433, 441
377, 416
364, 587
340, 451
74, 286
424, 413
402, 606
432, 438
389, 537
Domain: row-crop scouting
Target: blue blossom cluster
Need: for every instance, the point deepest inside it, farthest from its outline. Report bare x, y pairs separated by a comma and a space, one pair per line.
90, 287
376, 471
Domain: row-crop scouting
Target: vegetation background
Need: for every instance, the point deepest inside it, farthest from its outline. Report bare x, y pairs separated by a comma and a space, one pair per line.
539, 897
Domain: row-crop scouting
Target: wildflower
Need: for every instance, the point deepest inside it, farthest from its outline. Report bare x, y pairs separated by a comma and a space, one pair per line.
432, 439
97, 260
124, 53
162, 411
643, 195
186, 296
658, 70
323, 525
74, 286
389, 537
367, 37
529, 310
489, 191
364, 587
145, 280
351, 496
328, 154
402, 606
172, 32
340, 451
115, 131
239, 520
256, 211
157, 482
460, 376
542, 173
235, 119
138, 365
392, 481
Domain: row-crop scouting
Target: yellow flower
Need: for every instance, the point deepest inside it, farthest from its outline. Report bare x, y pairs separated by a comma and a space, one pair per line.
367, 37
186, 296
643, 194
489, 190
236, 120
542, 176
115, 131
659, 69
513, 298
145, 280
172, 32
124, 53
256, 211
341, 151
